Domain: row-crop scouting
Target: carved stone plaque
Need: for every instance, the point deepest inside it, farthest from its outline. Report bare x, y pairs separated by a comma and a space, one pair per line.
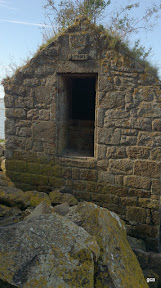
77, 57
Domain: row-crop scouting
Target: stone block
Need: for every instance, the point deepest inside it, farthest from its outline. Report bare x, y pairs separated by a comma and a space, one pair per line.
138, 152
38, 146
82, 196
128, 140
16, 113
116, 114
14, 143
105, 176
129, 132
113, 100
50, 149
105, 83
116, 152
10, 126
16, 165
75, 173
141, 123
27, 102
53, 111
114, 208
145, 231
23, 131
34, 82
90, 175
139, 193
149, 203
90, 186
100, 112
155, 215
155, 153
156, 125
23, 123
9, 101
147, 168
119, 180
79, 185
151, 139
51, 80
40, 169
122, 166
56, 182
129, 201
69, 184
109, 136
44, 114
28, 156
39, 180
101, 151
43, 131
148, 109
137, 182
43, 94
143, 94
156, 187
19, 177
71, 162
33, 114
135, 215
118, 191
99, 187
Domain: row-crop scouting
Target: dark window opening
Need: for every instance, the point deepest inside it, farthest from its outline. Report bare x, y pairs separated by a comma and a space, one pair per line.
83, 99
77, 138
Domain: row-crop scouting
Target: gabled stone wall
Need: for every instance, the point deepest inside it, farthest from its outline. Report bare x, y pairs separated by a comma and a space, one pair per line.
125, 173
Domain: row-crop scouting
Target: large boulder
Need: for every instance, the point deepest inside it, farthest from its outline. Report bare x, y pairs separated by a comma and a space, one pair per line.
45, 251
117, 264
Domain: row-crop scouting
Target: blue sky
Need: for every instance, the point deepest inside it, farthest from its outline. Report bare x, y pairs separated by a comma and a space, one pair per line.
20, 30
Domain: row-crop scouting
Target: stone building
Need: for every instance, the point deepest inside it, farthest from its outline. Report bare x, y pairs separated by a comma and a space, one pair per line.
86, 117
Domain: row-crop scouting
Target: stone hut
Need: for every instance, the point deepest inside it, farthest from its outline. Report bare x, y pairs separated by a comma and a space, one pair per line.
84, 116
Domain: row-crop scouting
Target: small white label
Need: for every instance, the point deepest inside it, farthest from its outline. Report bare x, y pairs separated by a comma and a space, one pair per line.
148, 280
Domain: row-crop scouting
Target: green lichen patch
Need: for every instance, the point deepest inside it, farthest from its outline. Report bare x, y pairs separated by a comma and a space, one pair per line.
115, 251
35, 198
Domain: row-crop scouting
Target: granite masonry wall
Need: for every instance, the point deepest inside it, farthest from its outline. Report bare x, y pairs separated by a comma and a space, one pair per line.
124, 175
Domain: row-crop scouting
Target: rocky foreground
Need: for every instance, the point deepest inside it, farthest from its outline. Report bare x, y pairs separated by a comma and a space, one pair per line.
51, 240
47, 244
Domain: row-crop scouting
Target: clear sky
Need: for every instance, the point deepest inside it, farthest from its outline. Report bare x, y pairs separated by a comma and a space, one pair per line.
20, 31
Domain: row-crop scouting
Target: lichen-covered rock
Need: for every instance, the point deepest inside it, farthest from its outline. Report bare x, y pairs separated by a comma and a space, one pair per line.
4, 210
43, 208
117, 260
8, 211
13, 197
35, 198
47, 251
5, 181
62, 209
10, 215
57, 197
